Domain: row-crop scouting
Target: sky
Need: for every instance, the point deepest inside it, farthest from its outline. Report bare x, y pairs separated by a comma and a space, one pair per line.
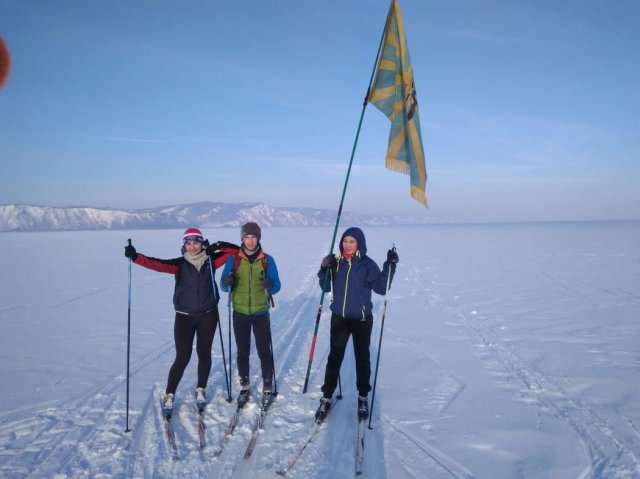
529, 110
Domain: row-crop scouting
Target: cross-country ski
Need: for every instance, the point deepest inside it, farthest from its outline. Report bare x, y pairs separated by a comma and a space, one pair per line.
169, 432
291, 461
258, 424
362, 428
230, 427
200, 408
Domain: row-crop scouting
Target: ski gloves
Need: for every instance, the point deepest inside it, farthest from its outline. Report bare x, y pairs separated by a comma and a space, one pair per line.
130, 252
329, 261
392, 256
217, 246
229, 279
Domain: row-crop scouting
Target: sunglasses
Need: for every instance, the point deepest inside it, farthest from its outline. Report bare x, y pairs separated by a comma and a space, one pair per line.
193, 238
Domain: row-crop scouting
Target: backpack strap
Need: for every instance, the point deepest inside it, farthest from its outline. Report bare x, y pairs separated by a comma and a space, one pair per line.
236, 263
237, 259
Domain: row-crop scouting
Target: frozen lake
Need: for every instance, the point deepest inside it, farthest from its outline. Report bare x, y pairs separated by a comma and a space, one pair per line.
509, 351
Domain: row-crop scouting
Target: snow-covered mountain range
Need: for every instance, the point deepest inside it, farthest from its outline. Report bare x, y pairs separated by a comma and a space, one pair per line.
205, 215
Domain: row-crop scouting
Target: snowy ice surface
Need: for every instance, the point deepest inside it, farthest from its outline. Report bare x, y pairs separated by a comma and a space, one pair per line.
509, 351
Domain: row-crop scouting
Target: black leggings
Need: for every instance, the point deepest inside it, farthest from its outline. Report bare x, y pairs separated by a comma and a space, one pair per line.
242, 326
360, 331
185, 328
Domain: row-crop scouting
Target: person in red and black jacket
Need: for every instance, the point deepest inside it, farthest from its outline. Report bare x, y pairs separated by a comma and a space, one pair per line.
195, 299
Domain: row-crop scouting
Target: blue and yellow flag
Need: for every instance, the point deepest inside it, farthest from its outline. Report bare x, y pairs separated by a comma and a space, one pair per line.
393, 92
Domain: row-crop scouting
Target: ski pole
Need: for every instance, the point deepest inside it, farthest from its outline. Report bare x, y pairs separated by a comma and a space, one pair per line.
273, 364
224, 360
229, 309
128, 343
270, 301
384, 313
317, 326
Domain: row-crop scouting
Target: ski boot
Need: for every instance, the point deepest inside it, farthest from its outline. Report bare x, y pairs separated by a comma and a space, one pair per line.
267, 399
167, 406
363, 408
323, 409
201, 399
243, 397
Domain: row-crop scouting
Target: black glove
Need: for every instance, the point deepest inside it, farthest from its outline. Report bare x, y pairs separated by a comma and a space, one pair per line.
229, 279
210, 249
218, 245
392, 256
329, 261
130, 252
266, 283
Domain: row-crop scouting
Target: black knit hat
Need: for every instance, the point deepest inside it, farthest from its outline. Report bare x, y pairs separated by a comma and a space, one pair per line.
250, 228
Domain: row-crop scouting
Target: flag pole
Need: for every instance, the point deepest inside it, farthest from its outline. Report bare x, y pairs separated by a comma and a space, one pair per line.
344, 191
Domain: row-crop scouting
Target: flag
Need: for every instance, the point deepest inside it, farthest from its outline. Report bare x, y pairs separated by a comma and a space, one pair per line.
393, 92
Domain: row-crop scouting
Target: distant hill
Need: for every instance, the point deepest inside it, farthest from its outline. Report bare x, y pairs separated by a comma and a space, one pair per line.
204, 215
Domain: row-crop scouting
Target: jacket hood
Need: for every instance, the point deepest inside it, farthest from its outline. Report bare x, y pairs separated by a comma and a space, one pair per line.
359, 237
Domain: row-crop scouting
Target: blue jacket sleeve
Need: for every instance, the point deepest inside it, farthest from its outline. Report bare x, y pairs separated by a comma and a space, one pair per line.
272, 274
321, 274
228, 267
378, 280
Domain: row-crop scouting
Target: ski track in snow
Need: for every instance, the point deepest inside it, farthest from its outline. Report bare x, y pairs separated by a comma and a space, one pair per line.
80, 297
67, 440
612, 451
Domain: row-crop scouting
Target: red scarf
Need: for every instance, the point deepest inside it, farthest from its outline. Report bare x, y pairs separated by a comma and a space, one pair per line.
346, 255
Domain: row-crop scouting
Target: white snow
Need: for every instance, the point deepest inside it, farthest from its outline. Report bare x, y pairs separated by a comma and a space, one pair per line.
509, 351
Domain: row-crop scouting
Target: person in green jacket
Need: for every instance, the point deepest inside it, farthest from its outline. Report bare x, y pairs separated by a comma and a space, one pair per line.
251, 277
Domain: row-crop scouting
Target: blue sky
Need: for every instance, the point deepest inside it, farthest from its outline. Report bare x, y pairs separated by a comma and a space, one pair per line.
529, 110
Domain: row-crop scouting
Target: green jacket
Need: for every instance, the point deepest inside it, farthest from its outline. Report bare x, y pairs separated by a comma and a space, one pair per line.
248, 295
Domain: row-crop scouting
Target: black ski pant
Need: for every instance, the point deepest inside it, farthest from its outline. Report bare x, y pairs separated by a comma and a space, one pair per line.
243, 324
360, 332
185, 328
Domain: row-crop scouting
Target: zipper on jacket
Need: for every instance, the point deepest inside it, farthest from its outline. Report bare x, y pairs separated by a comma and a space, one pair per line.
250, 280
346, 288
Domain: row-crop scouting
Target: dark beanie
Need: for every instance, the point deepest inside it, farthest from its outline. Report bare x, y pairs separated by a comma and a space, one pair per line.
250, 228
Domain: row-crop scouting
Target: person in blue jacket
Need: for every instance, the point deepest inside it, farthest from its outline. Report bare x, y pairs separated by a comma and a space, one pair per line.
352, 278
251, 277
